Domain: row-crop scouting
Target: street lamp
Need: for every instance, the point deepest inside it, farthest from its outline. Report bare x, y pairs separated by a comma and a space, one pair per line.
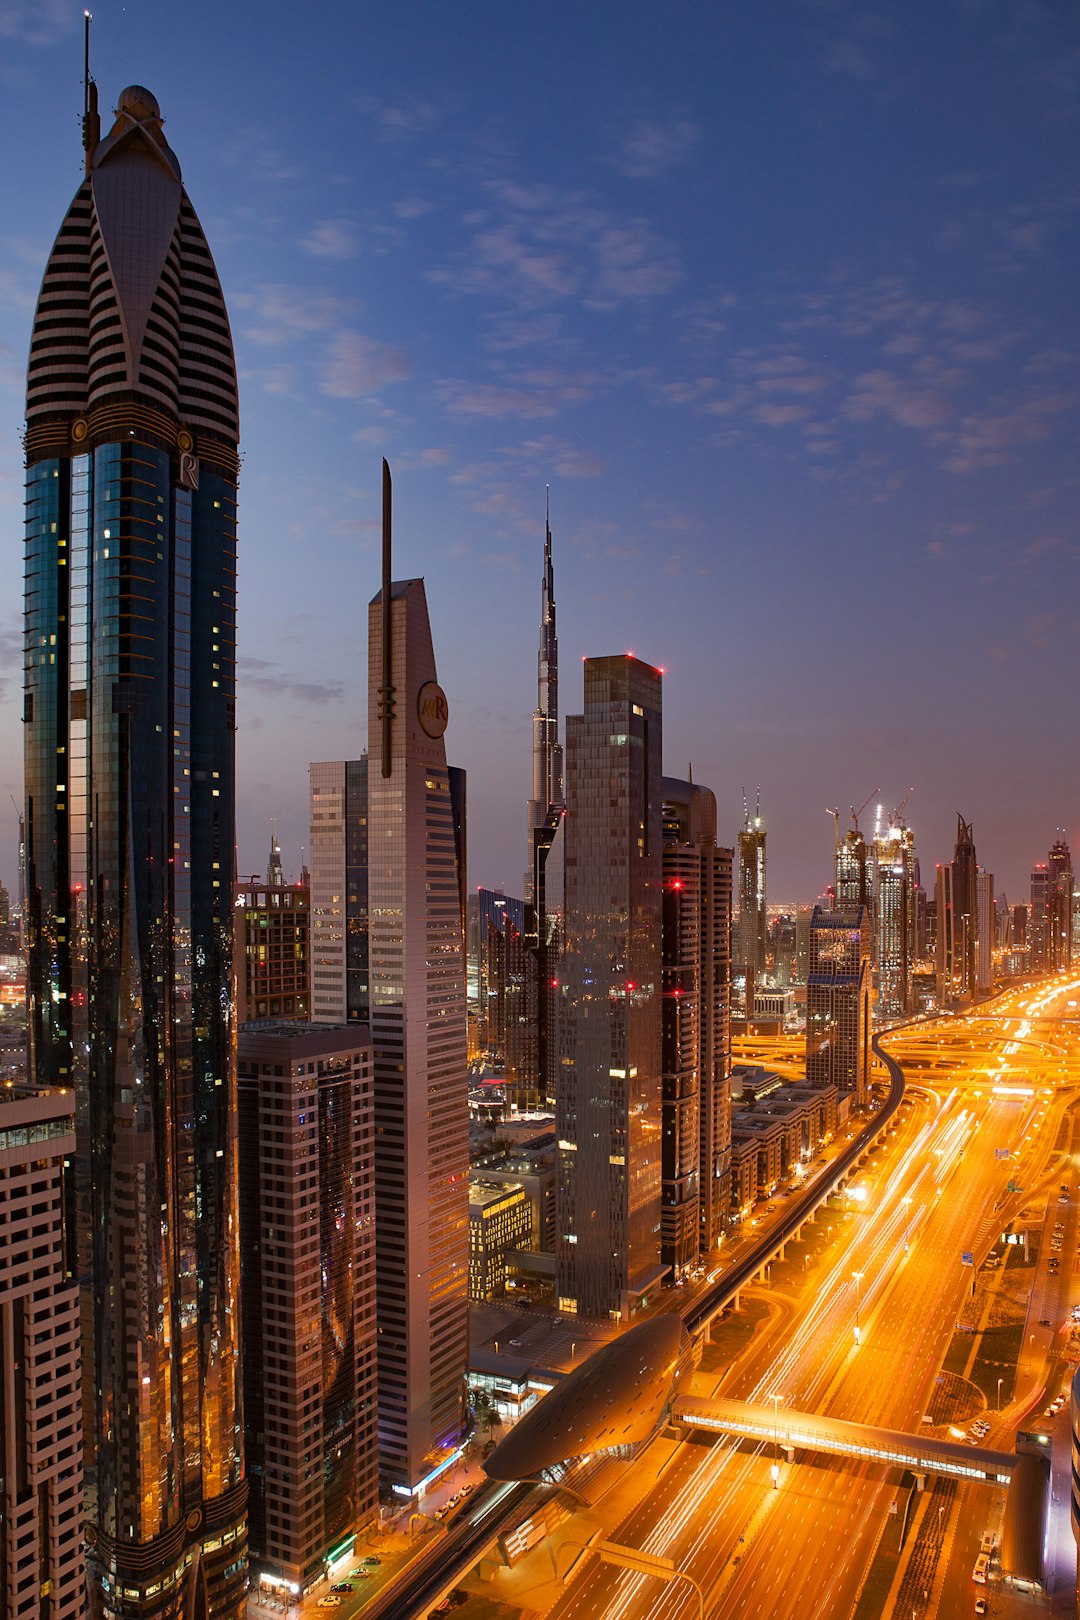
775, 1471
857, 1277
1000, 1382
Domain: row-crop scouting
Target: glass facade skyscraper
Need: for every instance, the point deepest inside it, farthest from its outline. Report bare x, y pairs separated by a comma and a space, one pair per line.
131, 450
608, 1099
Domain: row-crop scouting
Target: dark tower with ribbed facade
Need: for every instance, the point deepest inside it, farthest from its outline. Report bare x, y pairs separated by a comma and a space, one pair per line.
131, 455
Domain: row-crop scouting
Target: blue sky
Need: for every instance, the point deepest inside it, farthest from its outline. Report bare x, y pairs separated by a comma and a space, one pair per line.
780, 300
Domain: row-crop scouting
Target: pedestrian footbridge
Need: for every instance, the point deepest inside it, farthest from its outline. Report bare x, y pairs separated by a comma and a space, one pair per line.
806, 1431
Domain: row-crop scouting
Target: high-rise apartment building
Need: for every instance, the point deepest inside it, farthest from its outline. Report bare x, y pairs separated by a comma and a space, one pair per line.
417, 1001
696, 953
608, 1106
752, 927
129, 704
339, 896
42, 1569
307, 1233
838, 1001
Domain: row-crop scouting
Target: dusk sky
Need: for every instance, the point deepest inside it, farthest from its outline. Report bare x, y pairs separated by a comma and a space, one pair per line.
781, 301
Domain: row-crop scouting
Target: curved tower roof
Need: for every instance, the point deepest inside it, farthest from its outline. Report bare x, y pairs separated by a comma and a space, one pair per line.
130, 309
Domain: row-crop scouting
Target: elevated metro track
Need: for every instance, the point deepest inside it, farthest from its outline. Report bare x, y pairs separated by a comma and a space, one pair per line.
706, 1307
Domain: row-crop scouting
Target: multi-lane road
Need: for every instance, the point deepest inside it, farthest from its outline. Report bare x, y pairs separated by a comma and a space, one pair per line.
867, 1338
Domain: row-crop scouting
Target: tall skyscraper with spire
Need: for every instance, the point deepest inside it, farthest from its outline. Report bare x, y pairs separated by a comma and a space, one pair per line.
131, 475
547, 778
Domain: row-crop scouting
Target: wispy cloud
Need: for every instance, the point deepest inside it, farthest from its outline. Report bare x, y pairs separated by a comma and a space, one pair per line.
270, 680
652, 147
277, 312
331, 239
533, 246
355, 365
38, 22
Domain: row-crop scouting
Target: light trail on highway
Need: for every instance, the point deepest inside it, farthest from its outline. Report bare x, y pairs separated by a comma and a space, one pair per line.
904, 1236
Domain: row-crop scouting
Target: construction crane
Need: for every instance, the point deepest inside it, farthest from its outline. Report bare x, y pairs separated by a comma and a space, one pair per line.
897, 817
834, 811
855, 814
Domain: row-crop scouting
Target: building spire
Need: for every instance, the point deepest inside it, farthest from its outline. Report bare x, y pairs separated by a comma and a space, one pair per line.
91, 123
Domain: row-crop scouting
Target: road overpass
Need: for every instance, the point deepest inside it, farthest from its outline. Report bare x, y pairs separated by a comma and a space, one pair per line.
807, 1431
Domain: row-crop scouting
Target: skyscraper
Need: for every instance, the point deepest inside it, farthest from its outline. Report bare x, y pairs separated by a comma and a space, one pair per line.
696, 1158
894, 887
532, 965
958, 919
838, 1000
984, 940
417, 1001
751, 933
131, 452
307, 1229
547, 775
1059, 906
608, 1107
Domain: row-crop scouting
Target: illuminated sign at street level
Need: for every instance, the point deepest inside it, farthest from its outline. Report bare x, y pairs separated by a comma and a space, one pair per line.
431, 708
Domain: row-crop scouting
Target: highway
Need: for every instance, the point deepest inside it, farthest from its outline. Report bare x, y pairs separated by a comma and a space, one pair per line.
866, 1340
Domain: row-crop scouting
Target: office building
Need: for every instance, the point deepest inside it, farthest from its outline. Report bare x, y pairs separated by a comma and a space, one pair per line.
854, 876
42, 1569
957, 920
696, 955
417, 1001
129, 704
500, 1221
1059, 906
752, 923
608, 1104
270, 944
307, 1243
838, 1001
339, 895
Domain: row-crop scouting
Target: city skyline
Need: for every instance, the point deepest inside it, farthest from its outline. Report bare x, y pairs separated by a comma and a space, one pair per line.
755, 415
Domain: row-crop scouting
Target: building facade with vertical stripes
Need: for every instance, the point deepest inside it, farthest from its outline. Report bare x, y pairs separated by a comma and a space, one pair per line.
131, 485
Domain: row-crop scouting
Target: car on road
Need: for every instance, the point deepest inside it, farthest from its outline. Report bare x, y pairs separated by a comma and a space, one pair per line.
371, 1559
330, 1602
980, 1606
342, 1586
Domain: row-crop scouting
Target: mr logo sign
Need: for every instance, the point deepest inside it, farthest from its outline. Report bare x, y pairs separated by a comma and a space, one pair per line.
189, 470
431, 709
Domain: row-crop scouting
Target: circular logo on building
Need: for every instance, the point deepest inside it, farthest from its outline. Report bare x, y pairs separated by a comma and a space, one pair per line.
79, 429
431, 709
184, 440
